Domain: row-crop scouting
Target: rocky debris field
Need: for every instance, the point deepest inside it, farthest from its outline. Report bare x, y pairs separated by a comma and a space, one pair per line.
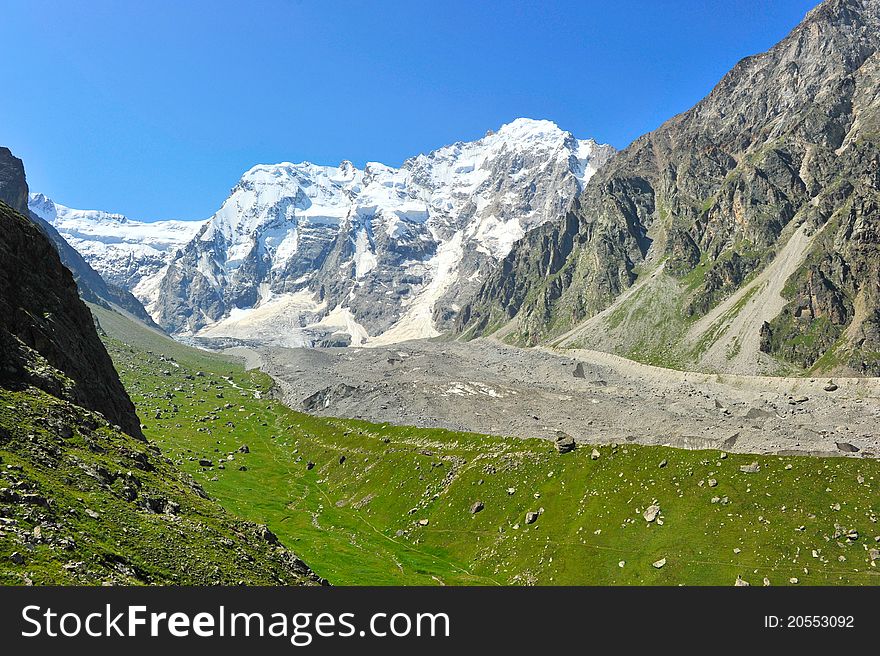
486, 387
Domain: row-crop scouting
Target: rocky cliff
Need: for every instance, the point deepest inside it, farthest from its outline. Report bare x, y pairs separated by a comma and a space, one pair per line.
777, 166
48, 335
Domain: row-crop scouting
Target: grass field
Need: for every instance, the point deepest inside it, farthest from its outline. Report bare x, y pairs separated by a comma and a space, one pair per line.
378, 504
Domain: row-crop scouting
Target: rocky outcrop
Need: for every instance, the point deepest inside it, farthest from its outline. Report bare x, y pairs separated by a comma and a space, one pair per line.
13, 189
787, 137
47, 333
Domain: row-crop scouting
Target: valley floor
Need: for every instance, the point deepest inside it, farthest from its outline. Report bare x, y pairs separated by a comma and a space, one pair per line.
487, 387
376, 503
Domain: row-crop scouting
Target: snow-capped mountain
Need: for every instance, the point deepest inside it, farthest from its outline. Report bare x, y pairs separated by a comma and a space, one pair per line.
125, 252
300, 253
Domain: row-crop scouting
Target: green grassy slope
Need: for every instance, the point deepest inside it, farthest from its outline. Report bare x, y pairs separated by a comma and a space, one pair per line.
397, 508
83, 503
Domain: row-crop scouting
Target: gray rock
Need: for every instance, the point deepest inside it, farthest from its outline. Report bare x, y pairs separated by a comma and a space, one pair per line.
651, 512
531, 517
758, 413
477, 507
564, 442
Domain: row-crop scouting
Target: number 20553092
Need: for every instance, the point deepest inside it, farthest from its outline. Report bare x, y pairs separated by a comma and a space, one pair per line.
809, 621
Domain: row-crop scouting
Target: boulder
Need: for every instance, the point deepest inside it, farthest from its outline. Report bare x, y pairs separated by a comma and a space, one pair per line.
651, 512
564, 442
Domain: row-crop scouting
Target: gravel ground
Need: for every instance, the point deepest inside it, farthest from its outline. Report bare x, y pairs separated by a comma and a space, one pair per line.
486, 387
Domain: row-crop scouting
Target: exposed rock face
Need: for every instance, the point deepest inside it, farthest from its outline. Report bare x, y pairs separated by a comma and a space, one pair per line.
47, 333
13, 189
788, 137
378, 251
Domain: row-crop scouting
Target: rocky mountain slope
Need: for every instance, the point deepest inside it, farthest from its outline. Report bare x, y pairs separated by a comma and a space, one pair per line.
301, 253
662, 256
49, 340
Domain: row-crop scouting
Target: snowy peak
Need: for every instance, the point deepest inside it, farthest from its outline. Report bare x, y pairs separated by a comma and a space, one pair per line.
42, 206
305, 253
376, 253
305, 192
122, 250
527, 134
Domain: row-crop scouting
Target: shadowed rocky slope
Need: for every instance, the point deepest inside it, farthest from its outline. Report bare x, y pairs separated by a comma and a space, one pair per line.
48, 335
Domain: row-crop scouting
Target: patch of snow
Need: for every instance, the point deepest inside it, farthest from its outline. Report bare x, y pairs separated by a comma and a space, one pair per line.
364, 258
418, 320
281, 321
342, 320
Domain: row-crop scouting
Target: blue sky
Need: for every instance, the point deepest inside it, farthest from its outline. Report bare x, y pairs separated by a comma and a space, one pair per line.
154, 108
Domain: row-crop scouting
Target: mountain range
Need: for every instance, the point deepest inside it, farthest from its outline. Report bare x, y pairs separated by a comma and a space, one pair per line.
741, 235
302, 253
